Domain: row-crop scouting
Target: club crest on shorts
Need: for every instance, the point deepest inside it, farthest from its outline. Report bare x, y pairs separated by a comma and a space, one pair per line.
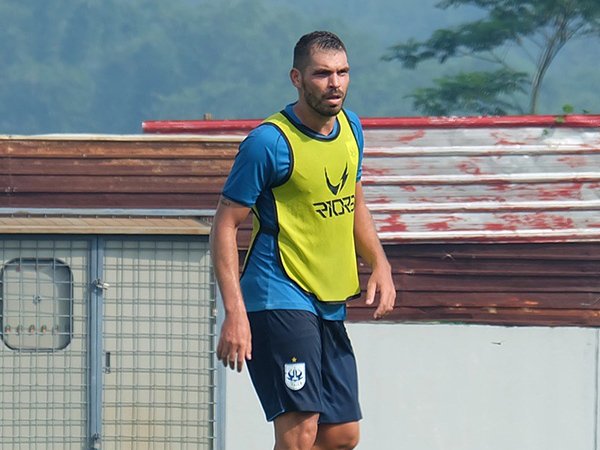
295, 375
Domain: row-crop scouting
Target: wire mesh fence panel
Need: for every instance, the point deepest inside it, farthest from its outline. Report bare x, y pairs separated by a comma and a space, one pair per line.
43, 353
158, 333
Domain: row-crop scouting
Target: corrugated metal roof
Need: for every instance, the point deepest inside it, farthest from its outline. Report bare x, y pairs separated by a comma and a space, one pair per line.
105, 171
530, 184
481, 179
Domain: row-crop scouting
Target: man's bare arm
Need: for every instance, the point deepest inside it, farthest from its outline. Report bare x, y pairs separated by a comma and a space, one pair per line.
369, 248
235, 341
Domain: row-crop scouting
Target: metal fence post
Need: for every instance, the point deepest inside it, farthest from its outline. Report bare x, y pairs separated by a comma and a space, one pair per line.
96, 289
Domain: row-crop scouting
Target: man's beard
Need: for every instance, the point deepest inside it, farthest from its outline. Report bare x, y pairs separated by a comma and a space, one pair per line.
320, 107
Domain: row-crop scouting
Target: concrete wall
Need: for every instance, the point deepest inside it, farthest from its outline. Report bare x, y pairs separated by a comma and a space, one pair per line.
457, 387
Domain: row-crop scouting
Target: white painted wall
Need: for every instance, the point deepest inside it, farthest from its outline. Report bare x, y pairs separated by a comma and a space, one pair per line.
457, 387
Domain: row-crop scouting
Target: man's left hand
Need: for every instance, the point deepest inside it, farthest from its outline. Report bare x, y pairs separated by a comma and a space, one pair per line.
381, 283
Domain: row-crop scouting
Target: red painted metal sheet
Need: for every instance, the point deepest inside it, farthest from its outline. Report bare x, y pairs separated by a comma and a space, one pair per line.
224, 126
524, 184
585, 121
199, 126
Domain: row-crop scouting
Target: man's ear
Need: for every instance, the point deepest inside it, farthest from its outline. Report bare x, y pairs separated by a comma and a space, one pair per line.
296, 77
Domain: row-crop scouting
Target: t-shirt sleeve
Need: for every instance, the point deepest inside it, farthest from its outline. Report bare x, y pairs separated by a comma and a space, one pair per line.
360, 139
254, 167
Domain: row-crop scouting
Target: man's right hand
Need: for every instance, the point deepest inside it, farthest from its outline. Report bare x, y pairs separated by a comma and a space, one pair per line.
235, 343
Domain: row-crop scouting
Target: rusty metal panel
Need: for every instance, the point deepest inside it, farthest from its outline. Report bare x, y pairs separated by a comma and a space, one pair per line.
133, 172
510, 284
531, 184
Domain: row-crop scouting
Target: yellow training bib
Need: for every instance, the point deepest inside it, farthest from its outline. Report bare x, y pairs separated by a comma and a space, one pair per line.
315, 211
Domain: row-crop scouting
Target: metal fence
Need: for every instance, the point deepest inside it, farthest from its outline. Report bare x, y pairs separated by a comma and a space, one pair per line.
106, 343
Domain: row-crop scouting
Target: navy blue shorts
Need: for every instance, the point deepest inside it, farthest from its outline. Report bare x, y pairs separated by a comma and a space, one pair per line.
303, 363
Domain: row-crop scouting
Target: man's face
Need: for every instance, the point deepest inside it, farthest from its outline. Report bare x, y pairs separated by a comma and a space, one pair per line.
323, 83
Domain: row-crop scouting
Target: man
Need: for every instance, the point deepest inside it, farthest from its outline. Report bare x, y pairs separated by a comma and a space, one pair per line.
299, 172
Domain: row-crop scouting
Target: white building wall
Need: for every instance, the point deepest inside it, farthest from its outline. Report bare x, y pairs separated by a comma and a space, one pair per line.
457, 387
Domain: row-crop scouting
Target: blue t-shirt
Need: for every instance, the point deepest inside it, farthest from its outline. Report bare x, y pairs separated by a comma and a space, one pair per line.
263, 161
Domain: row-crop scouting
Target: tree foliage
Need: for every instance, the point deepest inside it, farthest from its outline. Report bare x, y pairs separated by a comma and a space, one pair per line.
470, 91
88, 66
72, 66
509, 31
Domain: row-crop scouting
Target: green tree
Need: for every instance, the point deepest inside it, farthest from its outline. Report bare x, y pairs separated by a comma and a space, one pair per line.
88, 66
510, 34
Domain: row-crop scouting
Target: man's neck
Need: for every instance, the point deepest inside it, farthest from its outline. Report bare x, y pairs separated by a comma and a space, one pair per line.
318, 123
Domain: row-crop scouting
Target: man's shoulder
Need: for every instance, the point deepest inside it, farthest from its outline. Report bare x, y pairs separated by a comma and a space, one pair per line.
352, 117
266, 131
262, 138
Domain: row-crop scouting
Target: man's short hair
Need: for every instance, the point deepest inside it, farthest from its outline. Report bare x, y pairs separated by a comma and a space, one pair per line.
320, 40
